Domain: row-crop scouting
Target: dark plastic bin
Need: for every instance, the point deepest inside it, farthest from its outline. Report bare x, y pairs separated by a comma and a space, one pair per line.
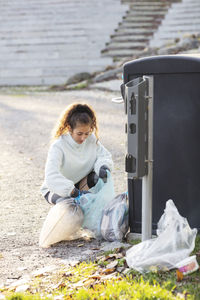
176, 137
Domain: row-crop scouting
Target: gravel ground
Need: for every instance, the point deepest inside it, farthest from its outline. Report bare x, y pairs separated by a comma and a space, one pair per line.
26, 121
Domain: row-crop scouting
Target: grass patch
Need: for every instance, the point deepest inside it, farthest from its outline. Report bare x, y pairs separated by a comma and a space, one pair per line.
126, 289
20, 296
109, 278
79, 86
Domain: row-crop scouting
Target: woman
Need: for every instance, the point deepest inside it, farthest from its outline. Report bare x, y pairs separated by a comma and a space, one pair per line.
76, 158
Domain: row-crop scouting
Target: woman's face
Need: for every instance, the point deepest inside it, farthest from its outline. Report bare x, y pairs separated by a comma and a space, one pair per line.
81, 132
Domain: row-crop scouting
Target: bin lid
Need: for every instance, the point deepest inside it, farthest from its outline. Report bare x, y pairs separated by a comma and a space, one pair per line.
162, 64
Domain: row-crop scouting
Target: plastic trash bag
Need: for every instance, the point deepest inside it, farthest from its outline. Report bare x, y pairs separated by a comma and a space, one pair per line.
62, 223
174, 242
114, 223
93, 203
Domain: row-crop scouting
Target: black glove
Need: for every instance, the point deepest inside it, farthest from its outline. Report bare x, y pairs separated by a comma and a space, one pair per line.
103, 172
76, 192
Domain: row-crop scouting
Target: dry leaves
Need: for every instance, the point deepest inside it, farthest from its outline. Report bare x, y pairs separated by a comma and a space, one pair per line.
113, 264
109, 266
44, 271
108, 271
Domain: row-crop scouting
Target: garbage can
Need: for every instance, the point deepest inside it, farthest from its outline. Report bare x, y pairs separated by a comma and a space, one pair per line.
176, 136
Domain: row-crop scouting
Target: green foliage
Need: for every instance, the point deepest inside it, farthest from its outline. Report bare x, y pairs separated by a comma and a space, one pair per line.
20, 296
79, 86
135, 242
197, 248
89, 280
82, 270
125, 289
121, 262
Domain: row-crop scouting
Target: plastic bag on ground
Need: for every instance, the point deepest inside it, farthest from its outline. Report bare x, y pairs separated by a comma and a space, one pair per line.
114, 223
62, 223
174, 242
93, 204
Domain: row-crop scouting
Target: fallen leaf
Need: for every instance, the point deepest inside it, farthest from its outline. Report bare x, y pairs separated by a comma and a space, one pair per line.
95, 276
1, 255
80, 245
108, 271
99, 257
42, 271
89, 282
119, 255
78, 284
104, 258
120, 269
121, 250
107, 257
108, 276
112, 255
113, 264
179, 275
67, 274
73, 263
59, 285
22, 288
126, 271
19, 282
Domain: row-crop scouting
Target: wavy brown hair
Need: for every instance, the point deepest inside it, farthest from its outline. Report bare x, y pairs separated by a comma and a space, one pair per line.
73, 114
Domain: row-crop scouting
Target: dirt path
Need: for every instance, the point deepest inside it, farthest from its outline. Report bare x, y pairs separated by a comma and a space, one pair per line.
26, 121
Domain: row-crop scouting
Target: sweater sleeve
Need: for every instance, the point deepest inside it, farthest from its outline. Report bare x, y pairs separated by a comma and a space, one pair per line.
55, 181
104, 157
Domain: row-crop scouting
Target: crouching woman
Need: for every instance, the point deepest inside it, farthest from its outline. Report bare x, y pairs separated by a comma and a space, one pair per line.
76, 158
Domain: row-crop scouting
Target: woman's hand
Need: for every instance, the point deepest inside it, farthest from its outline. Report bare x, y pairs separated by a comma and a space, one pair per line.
76, 192
103, 172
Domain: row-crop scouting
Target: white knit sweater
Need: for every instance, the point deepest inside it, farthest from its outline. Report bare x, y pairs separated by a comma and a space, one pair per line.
68, 162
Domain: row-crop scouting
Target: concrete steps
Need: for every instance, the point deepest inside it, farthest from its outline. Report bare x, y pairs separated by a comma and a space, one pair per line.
44, 42
136, 29
182, 19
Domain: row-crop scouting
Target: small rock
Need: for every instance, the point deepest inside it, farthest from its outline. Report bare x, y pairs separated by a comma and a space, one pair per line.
78, 77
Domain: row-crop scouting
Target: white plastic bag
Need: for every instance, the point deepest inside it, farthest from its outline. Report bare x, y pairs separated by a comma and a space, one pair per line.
93, 203
62, 223
114, 223
175, 241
